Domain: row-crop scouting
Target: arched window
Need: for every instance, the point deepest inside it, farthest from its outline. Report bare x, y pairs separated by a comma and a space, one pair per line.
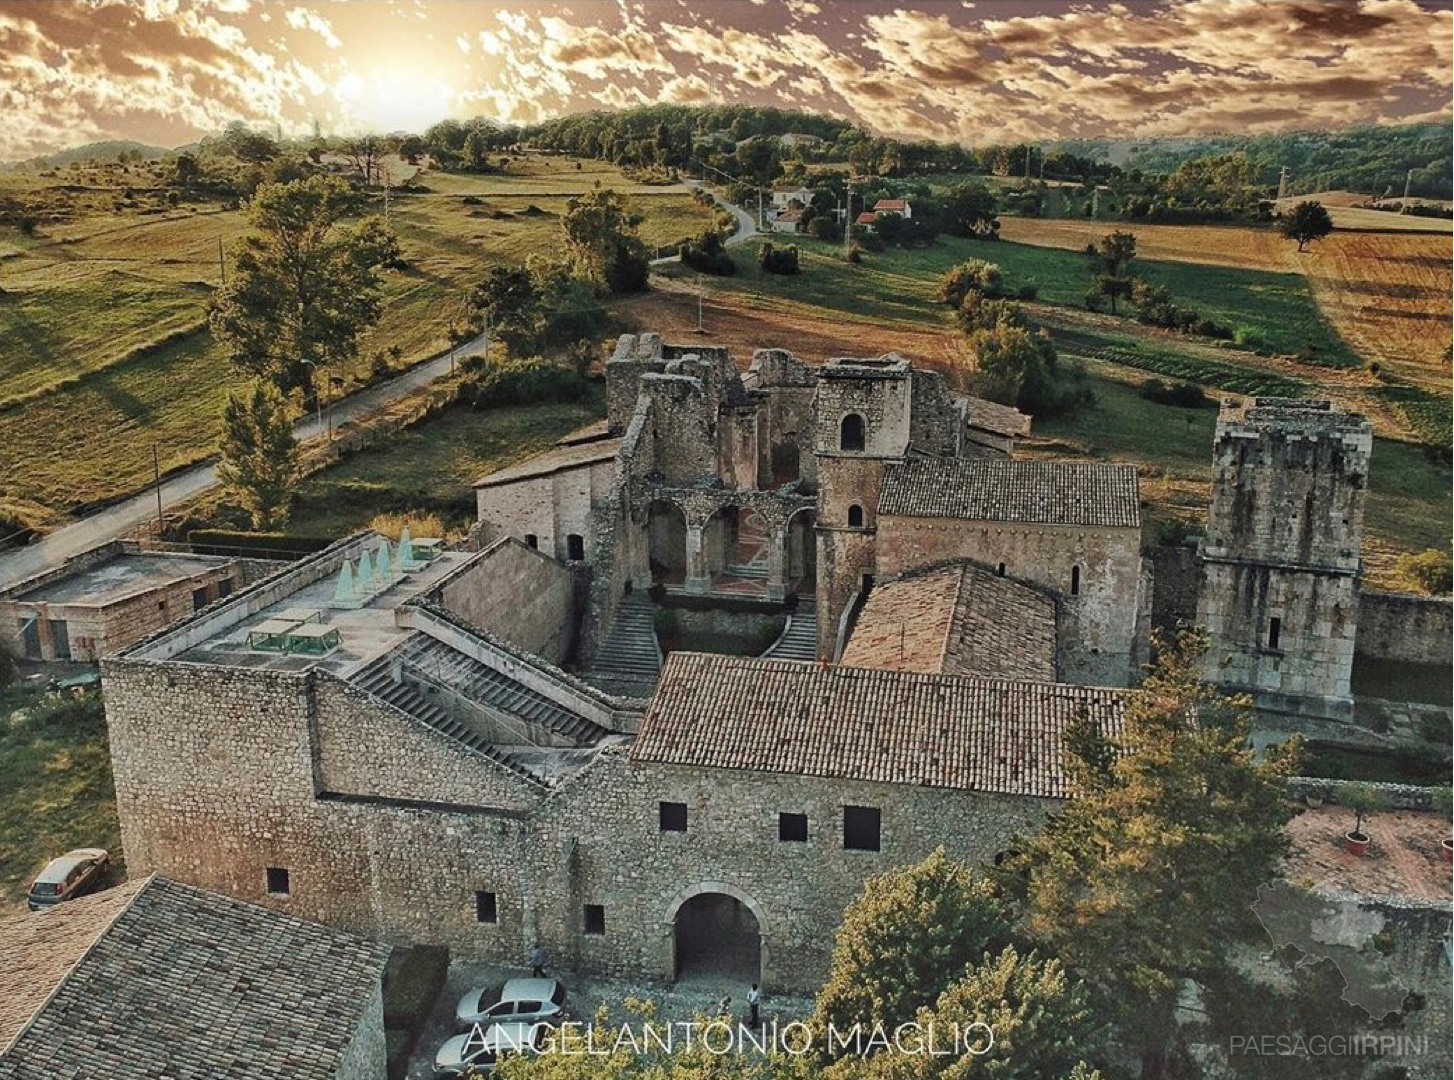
850, 432
575, 547
1075, 581
855, 516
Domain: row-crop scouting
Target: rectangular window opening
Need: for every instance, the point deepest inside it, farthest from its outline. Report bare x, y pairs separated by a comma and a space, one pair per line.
792, 827
485, 909
277, 881
672, 816
861, 828
595, 919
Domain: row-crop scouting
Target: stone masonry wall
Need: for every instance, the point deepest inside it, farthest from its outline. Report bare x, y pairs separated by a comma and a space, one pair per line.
218, 778
366, 1056
1099, 625
550, 507
1409, 629
518, 594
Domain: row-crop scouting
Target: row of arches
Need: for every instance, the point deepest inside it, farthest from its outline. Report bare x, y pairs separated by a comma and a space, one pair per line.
735, 542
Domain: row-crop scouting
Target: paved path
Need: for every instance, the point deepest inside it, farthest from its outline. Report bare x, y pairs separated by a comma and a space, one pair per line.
123, 518
746, 223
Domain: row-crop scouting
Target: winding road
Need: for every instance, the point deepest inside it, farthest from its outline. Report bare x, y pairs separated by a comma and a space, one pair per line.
124, 517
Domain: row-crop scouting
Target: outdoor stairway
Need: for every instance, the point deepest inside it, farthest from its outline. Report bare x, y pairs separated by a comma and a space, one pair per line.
629, 660
799, 640
437, 662
751, 554
377, 679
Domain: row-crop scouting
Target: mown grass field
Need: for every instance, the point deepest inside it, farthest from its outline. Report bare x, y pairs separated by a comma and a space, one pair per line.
103, 346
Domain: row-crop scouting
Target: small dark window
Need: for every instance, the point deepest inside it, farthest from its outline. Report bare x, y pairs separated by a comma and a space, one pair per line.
532, 541
277, 881
224, 588
1000, 569
850, 433
1274, 632
855, 516
792, 827
199, 599
1075, 581
162, 606
575, 547
595, 919
485, 909
860, 828
672, 816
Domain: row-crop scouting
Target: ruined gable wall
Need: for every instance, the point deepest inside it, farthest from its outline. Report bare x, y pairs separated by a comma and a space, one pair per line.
517, 594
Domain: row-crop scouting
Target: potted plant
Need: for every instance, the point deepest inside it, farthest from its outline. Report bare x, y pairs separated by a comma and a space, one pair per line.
1363, 800
1443, 801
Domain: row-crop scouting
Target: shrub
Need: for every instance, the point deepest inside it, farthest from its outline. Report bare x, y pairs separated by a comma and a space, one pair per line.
974, 274
1246, 337
80, 713
979, 312
1028, 291
855, 254
1430, 570
419, 523
473, 200
778, 260
706, 254
1184, 395
7, 666
520, 382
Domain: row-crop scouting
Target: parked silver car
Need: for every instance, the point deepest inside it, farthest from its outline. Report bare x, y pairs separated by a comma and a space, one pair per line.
482, 1046
73, 874
519, 1000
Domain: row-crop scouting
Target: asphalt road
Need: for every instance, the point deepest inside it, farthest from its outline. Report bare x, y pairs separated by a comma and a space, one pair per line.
123, 518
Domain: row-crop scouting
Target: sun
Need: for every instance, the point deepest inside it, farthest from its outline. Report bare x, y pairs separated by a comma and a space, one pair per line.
388, 99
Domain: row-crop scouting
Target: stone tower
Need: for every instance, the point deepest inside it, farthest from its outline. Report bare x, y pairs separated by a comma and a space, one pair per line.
1280, 562
863, 410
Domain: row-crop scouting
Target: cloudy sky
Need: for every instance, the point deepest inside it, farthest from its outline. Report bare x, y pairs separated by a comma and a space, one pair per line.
167, 71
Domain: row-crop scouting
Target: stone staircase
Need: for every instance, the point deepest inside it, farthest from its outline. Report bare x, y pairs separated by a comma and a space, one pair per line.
628, 662
799, 639
377, 679
751, 557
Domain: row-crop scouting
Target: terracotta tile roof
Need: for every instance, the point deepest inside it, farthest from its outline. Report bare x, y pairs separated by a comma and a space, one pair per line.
37, 950
899, 727
891, 206
959, 619
1033, 492
1001, 419
868, 217
557, 459
170, 980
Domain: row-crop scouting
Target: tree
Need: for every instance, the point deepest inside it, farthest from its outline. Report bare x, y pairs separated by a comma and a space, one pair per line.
476, 152
509, 299
304, 287
365, 156
759, 159
969, 210
1111, 259
1043, 1020
973, 274
247, 145
979, 312
601, 236
185, 170
1016, 365
1306, 222
1431, 570
1145, 877
259, 455
906, 939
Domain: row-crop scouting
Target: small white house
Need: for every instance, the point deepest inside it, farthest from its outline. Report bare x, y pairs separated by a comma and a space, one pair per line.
893, 206
782, 198
789, 221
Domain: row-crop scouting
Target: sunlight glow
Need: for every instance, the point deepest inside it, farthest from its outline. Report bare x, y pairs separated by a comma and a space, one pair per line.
393, 99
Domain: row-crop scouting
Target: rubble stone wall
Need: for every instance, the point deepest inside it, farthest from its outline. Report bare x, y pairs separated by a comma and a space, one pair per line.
518, 594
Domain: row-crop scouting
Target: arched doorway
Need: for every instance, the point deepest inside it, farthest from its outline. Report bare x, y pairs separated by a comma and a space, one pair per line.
716, 938
801, 563
666, 539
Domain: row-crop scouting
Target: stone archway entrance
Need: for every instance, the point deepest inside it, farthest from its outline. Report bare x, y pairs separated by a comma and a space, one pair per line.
666, 542
716, 939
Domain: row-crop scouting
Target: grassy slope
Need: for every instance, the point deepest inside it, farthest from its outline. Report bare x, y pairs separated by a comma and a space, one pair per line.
93, 291
57, 793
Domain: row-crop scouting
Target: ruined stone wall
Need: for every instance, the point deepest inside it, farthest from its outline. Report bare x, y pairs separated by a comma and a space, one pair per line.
683, 428
934, 421
883, 402
1405, 628
1098, 626
517, 594
845, 553
1176, 584
366, 1055
738, 451
787, 425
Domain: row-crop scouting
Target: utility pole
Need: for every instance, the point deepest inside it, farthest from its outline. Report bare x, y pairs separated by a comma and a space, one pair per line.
1282, 183
156, 466
700, 328
221, 263
848, 218
1408, 182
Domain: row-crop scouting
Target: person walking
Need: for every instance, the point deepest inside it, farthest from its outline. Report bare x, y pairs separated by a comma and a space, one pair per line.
537, 961
754, 999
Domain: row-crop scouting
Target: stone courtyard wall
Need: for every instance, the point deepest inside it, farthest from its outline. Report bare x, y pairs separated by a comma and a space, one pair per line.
1405, 628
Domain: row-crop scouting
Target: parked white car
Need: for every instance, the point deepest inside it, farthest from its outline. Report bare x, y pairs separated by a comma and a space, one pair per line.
518, 1001
481, 1047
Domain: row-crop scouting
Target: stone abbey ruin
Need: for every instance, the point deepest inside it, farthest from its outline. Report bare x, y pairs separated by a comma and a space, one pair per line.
880, 623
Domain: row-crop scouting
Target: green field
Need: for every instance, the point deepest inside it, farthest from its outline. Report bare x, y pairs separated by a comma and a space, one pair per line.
58, 793
105, 350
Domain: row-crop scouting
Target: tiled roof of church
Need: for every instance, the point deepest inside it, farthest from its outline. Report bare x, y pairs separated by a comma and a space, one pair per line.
1032, 492
959, 619
899, 727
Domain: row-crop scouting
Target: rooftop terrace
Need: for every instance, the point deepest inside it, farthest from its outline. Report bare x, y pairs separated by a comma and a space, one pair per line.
117, 578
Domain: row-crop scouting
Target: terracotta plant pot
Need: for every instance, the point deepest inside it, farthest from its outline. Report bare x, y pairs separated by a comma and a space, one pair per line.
1357, 842
1447, 845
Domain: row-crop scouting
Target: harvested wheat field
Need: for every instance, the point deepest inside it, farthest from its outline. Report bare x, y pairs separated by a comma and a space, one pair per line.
1386, 293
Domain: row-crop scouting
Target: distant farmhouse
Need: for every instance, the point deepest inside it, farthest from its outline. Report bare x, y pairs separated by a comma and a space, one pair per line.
878, 624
